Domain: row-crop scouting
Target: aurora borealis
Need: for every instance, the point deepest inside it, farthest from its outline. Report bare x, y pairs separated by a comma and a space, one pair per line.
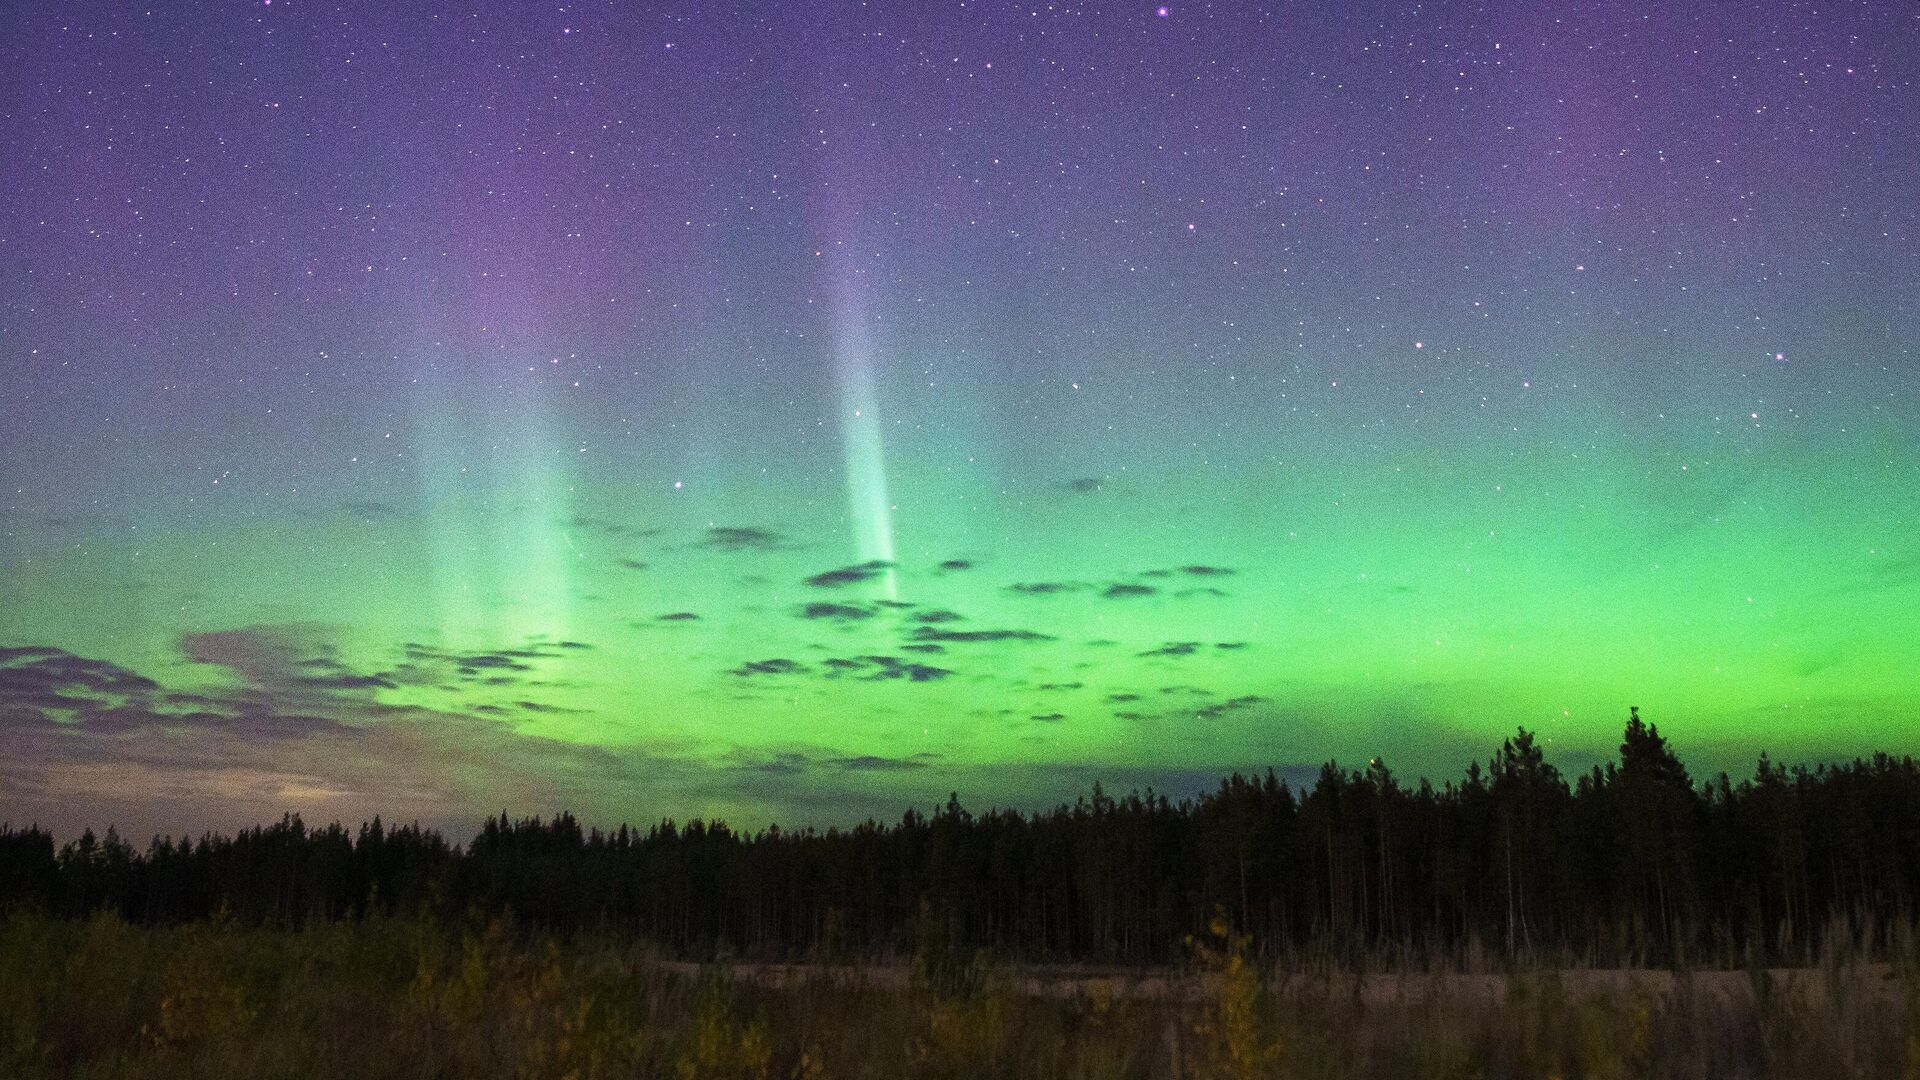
799, 411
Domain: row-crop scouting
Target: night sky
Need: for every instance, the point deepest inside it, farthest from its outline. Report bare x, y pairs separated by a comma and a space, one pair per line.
797, 411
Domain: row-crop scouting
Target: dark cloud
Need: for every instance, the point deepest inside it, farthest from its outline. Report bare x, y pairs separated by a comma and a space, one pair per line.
1121, 589
1895, 571
54, 690
1084, 485
1044, 588
18, 652
1191, 570
180, 698
1049, 718
782, 764
924, 647
126, 719
87, 741
476, 661
1060, 686
31, 671
411, 674
742, 538
836, 612
779, 665
1173, 648
1229, 645
883, 668
428, 665
1204, 590
1118, 698
938, 615
414, 650
269, 655
542, 707
956, 564
873, 763
929, 633
850, 575
633, 564
260, 723
677, 616
604, 527
368, 510
348, 682
1221, 708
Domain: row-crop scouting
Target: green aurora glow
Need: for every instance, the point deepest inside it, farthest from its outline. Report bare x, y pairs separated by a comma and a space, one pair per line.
992, 454
1169, 618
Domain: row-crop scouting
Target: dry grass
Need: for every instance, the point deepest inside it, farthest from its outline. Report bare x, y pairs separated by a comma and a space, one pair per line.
405, 999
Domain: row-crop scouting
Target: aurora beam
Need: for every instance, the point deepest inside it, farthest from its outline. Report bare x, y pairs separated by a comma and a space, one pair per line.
869, 507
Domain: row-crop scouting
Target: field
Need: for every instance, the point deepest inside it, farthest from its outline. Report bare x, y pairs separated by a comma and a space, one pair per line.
402, 998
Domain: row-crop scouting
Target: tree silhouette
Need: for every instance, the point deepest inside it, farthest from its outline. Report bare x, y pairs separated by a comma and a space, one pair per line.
1632, 863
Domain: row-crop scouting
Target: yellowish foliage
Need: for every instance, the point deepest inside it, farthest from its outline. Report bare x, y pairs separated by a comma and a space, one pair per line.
808, 1067
967, 1036
1235, 1043
409, 1000
722, 1048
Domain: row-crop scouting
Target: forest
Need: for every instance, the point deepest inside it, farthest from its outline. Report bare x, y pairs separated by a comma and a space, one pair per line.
1632, 864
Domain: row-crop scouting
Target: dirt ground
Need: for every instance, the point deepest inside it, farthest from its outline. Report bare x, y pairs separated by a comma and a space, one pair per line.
1815, 985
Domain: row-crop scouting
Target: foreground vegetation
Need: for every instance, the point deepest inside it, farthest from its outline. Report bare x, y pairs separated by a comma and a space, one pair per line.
404, 997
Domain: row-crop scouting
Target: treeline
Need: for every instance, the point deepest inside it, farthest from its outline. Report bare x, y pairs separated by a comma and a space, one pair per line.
1632, 862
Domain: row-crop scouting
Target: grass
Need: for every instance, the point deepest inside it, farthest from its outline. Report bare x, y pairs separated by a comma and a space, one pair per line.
399, 998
